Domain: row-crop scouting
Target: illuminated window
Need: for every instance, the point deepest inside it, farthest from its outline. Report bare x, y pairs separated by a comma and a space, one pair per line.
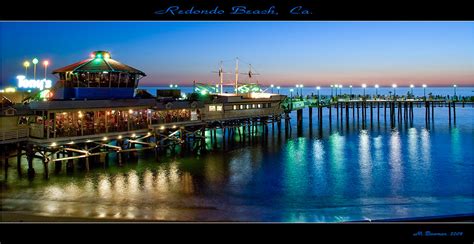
242, 106
248, 106
259, 105
219, 107
235, 107
212, 108
253, 105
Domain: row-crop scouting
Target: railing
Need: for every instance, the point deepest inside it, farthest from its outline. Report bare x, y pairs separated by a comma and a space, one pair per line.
14, 134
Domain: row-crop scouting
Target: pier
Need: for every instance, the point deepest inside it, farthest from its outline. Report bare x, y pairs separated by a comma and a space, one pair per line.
95, 110
63, 151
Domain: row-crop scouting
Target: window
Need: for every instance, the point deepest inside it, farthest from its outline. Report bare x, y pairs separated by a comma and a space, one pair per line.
248, 106
269, 105
264, 105
212, 108
253, 105
219, 107
259, 105
235, 107
242, 106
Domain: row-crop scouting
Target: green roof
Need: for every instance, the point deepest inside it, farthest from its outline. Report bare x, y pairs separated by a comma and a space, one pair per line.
99, 63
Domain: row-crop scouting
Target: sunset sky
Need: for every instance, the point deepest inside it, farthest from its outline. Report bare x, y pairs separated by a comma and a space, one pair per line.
284, 53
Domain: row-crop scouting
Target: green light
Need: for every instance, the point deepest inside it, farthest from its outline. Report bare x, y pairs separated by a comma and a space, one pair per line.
203, 92
35, 61
44, 94
99, 55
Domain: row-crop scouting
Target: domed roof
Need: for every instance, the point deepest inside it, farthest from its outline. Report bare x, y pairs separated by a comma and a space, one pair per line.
99, 61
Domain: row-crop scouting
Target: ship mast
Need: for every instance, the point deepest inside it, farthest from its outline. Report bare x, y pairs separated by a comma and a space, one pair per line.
236, 74
221, 75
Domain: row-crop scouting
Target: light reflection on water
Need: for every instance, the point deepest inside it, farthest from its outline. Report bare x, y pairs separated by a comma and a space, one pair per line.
343, 175
365, 160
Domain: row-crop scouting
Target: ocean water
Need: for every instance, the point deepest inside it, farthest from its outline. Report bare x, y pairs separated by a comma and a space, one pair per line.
330, 174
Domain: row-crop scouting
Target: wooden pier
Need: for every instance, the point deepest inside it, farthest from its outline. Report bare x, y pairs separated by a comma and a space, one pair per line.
197, 136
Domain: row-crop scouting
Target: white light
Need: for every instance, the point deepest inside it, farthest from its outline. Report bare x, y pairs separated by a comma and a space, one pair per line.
411, 86
424, 85
376, 86
364, 85
318, 87
130, 111
10, 90
174, 126
394, 85
105, 138
301, 86
53, 144
455, 85
162, 127
88, 141
71, 142
40, 84
134, 135
271, 85
120, 137
350, 86
260, 95
148, 134
278, 87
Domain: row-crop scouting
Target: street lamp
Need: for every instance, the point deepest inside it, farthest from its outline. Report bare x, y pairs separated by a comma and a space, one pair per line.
376, 90
394, 90
26, 64
278, 89
297, 86
45, 63
301, 86
291, 92
424, 91
411, 89
350, 90
318, 88
455, 86
272, 87
364, 86
35, 61
331, 90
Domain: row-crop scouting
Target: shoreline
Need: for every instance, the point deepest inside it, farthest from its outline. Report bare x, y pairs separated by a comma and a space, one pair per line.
23, 217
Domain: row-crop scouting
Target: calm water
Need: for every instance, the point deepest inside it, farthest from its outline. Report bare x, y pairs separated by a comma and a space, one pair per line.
342, 174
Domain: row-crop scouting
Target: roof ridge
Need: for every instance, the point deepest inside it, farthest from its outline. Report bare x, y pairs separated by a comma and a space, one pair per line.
83, 64
110, 66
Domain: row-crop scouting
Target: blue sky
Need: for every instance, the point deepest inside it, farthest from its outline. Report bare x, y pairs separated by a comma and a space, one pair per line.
285, 53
